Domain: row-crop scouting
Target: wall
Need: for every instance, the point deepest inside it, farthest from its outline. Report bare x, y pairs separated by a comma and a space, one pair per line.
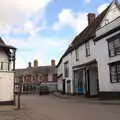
82, 54
71, 58
59, 69
50, 77
103, 58
70, 77
112, 14
103, 67
60, 79
4, 59
108, 27
60, 84
6, 86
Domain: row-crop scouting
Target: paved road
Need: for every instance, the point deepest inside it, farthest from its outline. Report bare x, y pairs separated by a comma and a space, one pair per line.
53, 108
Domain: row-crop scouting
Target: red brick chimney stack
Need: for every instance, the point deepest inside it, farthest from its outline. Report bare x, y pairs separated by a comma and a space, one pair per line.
91, 18
35, 63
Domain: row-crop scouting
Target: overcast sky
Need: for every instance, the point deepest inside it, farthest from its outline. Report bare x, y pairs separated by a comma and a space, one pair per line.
43, 29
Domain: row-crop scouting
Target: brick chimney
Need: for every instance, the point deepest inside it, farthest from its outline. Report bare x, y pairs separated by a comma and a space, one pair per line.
91, 18
35, 63
53, 67
53, 63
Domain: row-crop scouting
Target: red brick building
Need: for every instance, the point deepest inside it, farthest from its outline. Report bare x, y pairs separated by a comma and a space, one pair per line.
32, 76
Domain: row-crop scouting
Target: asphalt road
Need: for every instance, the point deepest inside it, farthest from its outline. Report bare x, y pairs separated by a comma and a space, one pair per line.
36, 107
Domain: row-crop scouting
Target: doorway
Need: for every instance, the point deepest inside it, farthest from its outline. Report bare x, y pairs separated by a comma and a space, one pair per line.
78, 81
92, 85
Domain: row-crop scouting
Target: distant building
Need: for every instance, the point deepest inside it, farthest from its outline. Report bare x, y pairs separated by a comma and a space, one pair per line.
34, 76
7, 67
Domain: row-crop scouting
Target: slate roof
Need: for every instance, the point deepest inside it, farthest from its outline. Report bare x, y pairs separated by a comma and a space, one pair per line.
87, 34
44, 70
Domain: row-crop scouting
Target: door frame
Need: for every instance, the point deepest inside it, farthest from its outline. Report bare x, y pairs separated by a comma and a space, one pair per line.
87, 82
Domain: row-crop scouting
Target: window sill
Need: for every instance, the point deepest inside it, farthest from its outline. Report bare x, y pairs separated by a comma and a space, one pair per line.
87, 55
115, 82
113, 56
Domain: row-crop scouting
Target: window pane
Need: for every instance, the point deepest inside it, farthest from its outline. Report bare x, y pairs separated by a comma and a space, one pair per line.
87, 47
66, 69
117, 46
117, 42
113, 73
77, 53
111, 48
118, 72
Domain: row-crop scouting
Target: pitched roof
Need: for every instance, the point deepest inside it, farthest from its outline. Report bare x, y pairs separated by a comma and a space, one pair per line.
2, 44
44, 70
87, 34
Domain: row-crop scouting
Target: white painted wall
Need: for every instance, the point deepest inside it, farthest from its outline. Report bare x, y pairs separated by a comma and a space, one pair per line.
59, 80
4, 59
60, 84
70, 77
108, 27
6, 86
112, 14
101, 48
82, 54
59, 69
71, 58
103, 59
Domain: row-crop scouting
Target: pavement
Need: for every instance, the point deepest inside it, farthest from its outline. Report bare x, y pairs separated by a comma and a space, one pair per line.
83, 99
7, 108
77, 99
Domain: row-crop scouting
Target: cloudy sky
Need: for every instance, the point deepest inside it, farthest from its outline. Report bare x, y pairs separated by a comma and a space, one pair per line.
43, 29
